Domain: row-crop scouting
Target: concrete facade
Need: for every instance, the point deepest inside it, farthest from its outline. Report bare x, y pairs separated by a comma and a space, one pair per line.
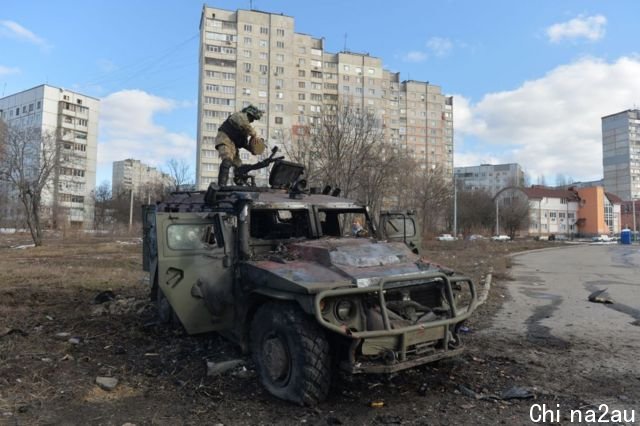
489, 177
134, 175
256, 57
621, 153
73, 118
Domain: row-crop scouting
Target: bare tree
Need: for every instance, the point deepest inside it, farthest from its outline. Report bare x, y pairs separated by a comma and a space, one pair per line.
342, 149
429, 191
102, 204
29, 156
513, 211
180, 173
476, 211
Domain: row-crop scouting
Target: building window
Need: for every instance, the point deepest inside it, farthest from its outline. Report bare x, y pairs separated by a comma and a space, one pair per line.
262, 94
278, 120
279, 70
279, 107
301, 96
301, 73
247, 67
247, 28
280, 44
301, 84
280, 57
264, 30
280, 32
264, 69
247, 41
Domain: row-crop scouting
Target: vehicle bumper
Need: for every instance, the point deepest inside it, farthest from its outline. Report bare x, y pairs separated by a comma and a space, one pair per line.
406, 346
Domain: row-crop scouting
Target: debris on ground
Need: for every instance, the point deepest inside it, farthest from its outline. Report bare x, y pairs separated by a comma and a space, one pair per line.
217, 368
600, 296
104, 296
107, 383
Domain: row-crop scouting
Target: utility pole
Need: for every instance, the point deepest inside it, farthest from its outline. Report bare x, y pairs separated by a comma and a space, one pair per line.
497, 218
131, 210
455, 209
633, 209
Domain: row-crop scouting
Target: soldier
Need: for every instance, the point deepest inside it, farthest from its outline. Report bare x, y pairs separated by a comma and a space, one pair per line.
232, 135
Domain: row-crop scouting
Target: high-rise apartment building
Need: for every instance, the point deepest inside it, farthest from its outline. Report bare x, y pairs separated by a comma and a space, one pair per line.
489, 177
252, 57
134, 175
621, 154
73, 119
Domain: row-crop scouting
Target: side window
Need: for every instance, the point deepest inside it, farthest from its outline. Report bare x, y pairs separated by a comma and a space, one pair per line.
279, 224
187, 237
394, 227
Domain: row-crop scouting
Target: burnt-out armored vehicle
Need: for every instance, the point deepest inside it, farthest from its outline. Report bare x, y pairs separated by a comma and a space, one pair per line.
280, 271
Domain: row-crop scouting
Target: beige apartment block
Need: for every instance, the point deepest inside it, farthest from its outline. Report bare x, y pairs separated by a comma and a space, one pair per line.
73, 118
253, 57
134, 175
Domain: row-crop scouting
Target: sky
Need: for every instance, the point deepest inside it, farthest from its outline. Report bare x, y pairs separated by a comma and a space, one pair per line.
530, 79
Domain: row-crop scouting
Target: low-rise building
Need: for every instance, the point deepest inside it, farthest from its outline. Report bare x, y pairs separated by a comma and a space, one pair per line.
573, 211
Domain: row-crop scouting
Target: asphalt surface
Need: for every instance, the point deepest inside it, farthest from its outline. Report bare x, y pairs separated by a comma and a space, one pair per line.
548, 307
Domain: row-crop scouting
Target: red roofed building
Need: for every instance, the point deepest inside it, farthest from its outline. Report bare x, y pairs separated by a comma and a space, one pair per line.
572, 212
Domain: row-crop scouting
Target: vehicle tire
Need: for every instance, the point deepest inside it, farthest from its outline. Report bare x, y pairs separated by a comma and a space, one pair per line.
291, 354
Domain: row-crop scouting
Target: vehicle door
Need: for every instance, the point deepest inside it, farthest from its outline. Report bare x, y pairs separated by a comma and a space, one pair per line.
194, 269
400, 226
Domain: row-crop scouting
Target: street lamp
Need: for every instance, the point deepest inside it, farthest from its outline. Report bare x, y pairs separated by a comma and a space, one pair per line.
455, 208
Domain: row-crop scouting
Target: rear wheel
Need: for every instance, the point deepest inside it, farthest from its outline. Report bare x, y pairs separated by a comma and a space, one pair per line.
291, 353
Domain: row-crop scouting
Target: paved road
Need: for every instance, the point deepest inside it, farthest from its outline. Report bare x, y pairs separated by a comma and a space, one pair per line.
590, 350
551, 287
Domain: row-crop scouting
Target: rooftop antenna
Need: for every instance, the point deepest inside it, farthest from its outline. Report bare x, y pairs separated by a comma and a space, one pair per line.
345, 42
3, 88
250, 4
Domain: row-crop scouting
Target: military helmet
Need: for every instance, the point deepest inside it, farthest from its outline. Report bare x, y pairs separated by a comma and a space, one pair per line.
253, 112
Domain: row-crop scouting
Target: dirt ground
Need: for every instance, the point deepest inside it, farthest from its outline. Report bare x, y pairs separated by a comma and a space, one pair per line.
55, 341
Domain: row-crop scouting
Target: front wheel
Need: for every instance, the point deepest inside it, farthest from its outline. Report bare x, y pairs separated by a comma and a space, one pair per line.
291, 353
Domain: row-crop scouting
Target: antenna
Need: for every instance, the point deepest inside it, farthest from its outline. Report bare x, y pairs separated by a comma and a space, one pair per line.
3, 88
345, 42
250, 4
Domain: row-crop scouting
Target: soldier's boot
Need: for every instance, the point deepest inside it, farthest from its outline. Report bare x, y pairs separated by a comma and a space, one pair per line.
223, 172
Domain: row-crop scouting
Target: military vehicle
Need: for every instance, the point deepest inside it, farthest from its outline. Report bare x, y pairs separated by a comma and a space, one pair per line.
278, 271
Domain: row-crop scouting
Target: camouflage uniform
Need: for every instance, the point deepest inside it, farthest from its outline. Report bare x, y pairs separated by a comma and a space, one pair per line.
234, 134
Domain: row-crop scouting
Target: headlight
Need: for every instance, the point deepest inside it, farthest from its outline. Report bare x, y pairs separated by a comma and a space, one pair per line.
345, 310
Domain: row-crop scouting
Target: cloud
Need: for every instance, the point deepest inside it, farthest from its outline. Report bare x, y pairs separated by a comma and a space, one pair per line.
415, 56
128, 129
552, 125
439, 46
591, 28
436, 46
14, 30
8, 70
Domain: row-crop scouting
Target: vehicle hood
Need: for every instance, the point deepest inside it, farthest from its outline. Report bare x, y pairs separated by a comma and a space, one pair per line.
313, 266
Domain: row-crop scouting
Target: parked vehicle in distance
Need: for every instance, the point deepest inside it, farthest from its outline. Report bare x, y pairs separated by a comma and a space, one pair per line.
501, 238
445, 237
475, 237
603, 239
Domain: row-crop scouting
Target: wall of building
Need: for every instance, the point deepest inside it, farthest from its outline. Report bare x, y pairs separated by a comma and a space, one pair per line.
257, 57
621, 154
72, 118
